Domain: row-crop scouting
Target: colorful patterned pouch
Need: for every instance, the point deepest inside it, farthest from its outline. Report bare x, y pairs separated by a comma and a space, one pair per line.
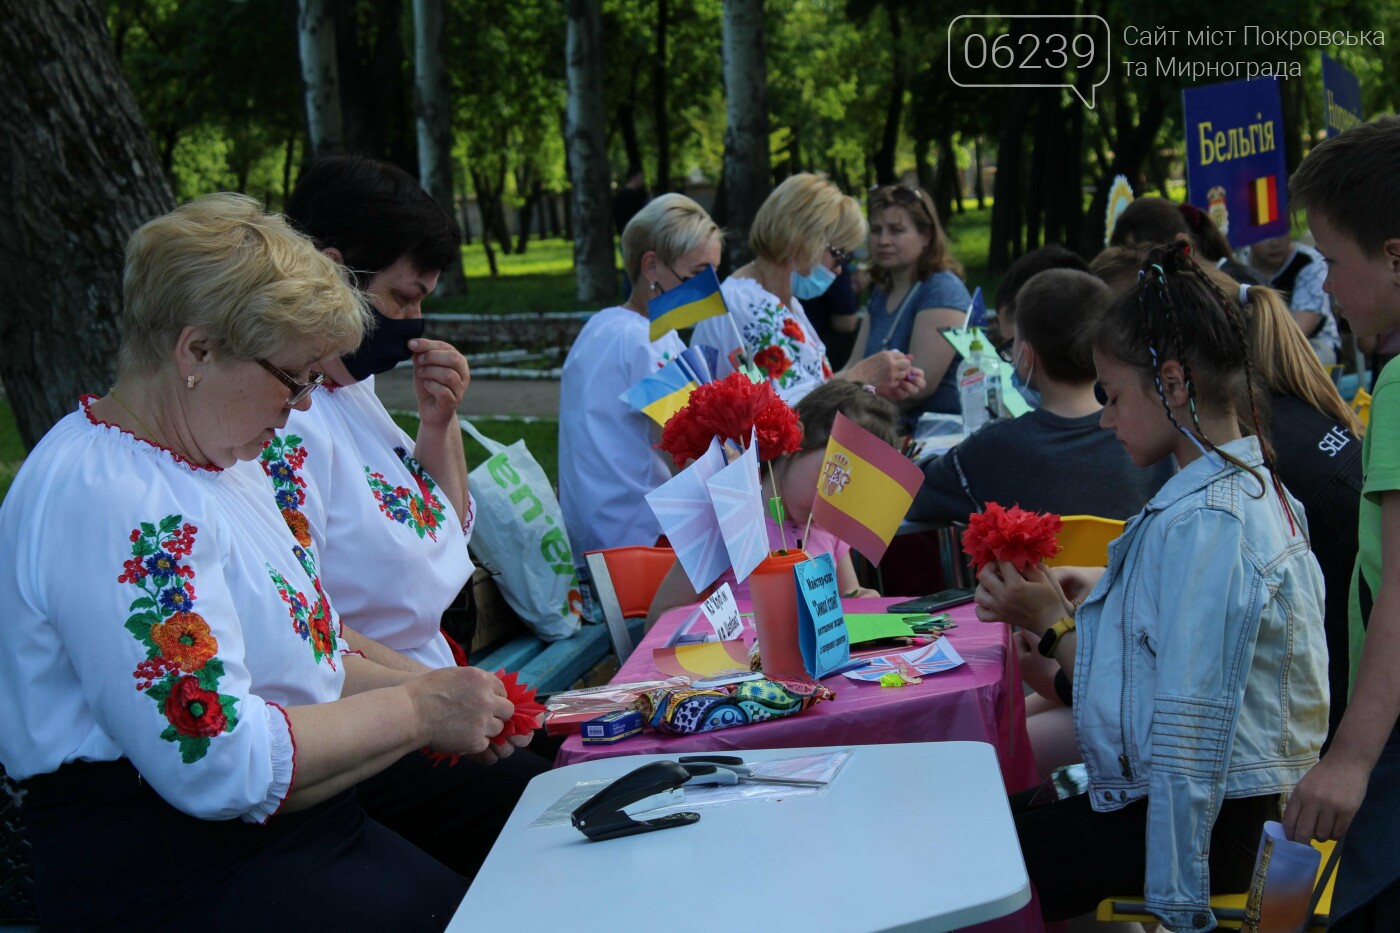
683, 711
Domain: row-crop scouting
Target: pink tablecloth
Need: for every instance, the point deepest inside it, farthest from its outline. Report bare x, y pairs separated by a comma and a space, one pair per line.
980, 701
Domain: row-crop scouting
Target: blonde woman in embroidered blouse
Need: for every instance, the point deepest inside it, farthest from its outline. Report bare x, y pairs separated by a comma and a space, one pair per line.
802, 235
171, 671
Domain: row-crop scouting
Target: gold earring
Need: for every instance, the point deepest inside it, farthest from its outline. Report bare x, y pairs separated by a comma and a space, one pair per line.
190, 380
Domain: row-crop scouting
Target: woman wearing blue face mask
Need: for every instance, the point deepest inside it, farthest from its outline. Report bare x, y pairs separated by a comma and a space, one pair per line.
801, 237
918, 289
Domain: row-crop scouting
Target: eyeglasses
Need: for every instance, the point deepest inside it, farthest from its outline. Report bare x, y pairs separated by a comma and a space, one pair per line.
904, 194
843, 257
300, 390
1005, 352
1100, 395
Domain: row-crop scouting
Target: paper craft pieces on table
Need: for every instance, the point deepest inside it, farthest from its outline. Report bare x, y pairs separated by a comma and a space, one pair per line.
930, 659
683, 508
737, 496
707, 660
865, 626
666, 391
686, 305
865, 489
1014, 535
682, 711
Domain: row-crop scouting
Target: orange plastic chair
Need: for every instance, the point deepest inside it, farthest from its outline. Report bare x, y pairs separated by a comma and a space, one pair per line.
1228, 908
625, 579
1084, 541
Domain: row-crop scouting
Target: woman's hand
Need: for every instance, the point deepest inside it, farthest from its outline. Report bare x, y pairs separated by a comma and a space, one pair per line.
1076, 582
1037, 670
912, 384
1326, 799
495, 753
1033, 601
884, 370
440, 379
459, 709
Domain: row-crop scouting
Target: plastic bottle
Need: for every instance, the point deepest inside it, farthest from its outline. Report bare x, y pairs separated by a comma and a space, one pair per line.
972, 389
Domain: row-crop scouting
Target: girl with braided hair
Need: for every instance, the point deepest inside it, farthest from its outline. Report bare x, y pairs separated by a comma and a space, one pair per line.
1196, 659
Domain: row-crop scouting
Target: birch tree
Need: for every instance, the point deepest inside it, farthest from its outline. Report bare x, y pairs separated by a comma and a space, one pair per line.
320, 72
433, 107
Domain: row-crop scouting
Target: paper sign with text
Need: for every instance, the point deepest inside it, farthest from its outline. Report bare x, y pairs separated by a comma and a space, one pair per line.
821, 627
723, 613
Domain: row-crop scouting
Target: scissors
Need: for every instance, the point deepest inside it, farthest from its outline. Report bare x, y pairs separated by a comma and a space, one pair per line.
728, 770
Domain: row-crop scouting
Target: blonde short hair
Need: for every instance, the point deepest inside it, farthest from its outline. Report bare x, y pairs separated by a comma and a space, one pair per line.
222, 263
802, 217
670, 225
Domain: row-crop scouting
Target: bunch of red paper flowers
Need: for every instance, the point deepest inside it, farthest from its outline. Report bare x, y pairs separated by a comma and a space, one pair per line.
731, 409
1022, 538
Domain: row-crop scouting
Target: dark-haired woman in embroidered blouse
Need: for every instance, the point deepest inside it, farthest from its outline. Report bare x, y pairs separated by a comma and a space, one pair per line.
172, 672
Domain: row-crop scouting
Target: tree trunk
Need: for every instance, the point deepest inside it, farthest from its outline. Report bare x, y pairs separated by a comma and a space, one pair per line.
746, 177
483, 204
1006, 195
923, 168
80, 175
894, 109
433, 106
320, 72
660, 90
627, 125
978, 185
465, 217
288, 162
585, 138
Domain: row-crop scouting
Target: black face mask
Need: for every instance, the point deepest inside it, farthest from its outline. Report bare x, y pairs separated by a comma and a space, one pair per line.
384, 347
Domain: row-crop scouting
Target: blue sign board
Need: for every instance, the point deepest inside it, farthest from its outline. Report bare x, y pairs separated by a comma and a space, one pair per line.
1341, 96
1235, 168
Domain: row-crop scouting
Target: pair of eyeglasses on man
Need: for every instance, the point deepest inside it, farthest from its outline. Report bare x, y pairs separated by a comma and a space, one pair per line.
842, 257
299, 390
1004, 351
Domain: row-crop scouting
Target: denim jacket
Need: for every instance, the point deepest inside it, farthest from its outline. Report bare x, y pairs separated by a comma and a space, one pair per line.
1201, 667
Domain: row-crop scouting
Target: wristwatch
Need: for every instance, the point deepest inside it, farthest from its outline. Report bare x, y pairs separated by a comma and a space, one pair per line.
1051, 639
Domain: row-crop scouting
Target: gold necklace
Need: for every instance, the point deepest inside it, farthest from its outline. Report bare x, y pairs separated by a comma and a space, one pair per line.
111, 390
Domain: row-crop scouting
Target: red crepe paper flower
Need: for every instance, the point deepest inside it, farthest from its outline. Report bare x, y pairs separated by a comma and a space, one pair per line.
1014, 535
731, 409
525, 718
522, 722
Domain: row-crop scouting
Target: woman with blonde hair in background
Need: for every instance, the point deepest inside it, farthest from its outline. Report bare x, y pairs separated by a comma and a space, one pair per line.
802, 237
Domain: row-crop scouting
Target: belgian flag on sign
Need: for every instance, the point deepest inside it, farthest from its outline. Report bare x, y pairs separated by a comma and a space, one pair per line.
1263, 200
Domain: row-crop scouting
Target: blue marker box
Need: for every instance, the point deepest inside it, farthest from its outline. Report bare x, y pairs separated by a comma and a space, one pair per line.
611, 727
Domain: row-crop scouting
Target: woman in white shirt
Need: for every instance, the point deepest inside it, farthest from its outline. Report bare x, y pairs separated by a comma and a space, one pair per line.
607, 461
801, 237
387, 516
171, 671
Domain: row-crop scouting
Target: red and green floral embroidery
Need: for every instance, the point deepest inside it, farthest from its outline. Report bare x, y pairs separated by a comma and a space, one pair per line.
421, 511
310, 620
782, 348
181, 671
281, 459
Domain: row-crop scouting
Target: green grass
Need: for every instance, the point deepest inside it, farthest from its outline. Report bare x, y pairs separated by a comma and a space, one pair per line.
541, 436
542, 279
11, 448
970, 234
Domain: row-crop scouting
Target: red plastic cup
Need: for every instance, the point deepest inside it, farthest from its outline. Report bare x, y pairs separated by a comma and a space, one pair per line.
773, 590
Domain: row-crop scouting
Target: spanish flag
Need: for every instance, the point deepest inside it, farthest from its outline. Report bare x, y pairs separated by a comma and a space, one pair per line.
865, 489
1263, 200
687, 304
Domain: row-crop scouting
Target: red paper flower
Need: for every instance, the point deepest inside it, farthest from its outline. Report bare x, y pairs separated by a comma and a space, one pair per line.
524, 720
1022, 538
774, 360
731, 409
794, 330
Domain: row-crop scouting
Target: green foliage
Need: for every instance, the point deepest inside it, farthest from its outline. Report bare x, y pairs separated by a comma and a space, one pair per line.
11, 448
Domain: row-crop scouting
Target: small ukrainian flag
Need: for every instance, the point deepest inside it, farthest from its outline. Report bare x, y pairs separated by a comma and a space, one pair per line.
685, 305
666, 391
